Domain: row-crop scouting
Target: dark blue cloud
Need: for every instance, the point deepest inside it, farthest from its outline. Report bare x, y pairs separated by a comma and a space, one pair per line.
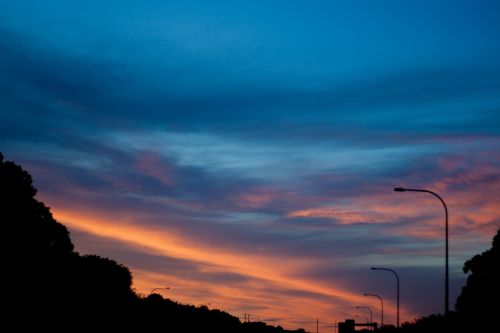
41, 84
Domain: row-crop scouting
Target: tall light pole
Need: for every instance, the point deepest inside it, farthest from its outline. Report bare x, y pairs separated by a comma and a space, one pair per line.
397, 292
365, 307
382, 303
446, 278
153, 290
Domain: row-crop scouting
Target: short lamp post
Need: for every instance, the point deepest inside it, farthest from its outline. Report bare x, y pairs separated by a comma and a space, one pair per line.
397, 289
365, 307
382, 304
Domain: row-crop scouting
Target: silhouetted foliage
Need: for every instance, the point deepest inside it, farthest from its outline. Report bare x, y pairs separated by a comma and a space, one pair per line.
34, 244
263, 328
27, 223
483, 284
479, 300
390, 328
185, 318
429, 324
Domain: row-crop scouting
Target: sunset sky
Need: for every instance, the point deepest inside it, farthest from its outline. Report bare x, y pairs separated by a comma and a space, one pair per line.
244, 153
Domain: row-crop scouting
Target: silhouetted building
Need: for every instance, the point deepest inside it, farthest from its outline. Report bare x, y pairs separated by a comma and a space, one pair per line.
347, 326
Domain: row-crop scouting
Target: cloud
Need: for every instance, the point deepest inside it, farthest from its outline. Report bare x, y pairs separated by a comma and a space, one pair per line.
101, 93
144, 254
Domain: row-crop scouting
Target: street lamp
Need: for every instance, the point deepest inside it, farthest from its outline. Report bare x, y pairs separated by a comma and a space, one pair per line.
382, 303
446, 279
365, 307
153, 290
205, 305
397, 280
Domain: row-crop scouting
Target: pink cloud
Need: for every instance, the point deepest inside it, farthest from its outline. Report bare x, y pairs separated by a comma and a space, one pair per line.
256, 199
342, 216
153, 165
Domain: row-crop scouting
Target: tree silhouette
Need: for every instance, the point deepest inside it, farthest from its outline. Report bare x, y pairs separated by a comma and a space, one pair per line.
34, 245
44, 278
102, 283
480, 296
28, 225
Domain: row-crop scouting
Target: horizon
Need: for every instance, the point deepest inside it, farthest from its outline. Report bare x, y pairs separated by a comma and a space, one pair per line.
245, 154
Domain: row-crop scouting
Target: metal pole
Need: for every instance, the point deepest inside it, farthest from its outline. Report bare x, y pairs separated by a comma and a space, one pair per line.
382, 305
365, 307
397, 291
446, 279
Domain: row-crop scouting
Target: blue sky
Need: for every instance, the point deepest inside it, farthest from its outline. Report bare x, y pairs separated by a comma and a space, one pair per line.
236, 149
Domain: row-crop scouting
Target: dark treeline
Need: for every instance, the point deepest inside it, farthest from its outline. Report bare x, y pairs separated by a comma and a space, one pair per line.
48, 287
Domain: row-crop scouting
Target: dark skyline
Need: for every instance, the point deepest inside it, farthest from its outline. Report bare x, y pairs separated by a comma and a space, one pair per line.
244, 153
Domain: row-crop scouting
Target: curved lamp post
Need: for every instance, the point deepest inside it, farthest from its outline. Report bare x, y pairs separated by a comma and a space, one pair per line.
397, 280
153, 290
446, 279
365, 307
382, 303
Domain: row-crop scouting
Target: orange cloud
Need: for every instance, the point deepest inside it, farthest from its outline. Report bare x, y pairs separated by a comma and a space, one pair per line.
267, 275
344, 216
468, 188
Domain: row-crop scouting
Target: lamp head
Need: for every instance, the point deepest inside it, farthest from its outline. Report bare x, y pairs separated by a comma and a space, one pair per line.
373, 268
399, 189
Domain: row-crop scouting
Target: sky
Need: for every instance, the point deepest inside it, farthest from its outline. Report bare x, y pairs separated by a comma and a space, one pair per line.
244, 153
